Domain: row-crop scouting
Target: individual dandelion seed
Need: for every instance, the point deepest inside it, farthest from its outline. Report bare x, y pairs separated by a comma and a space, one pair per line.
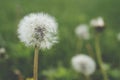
82, 32
38, 30
83, 64
98, 24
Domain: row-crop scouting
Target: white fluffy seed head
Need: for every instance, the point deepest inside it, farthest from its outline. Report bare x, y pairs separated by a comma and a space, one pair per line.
38, 29
82, 32
84, 64
98, 22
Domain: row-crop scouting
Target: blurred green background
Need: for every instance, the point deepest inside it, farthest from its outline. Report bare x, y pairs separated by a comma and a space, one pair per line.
55, 64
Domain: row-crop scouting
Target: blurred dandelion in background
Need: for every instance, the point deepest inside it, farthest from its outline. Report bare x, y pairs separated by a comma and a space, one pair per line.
82, 31
98, 24
84, 64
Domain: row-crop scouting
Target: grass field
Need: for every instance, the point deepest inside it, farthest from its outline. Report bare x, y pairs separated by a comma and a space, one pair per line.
69, 14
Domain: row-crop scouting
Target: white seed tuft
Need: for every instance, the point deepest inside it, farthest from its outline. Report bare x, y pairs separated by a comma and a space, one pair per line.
82, 32
84, 64
38, 29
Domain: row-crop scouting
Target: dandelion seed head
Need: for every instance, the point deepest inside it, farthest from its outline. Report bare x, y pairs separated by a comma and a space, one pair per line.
98, 22
82, 32
38, 29
84, 64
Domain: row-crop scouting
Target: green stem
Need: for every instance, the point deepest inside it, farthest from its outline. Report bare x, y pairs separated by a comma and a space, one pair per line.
99, 58
35, 69
90, 50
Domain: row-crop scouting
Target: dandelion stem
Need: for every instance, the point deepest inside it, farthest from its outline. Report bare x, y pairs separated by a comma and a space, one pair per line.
35, 69
99, 58
90, 50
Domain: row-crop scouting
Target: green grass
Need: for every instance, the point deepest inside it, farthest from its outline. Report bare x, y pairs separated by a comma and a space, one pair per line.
68, 14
